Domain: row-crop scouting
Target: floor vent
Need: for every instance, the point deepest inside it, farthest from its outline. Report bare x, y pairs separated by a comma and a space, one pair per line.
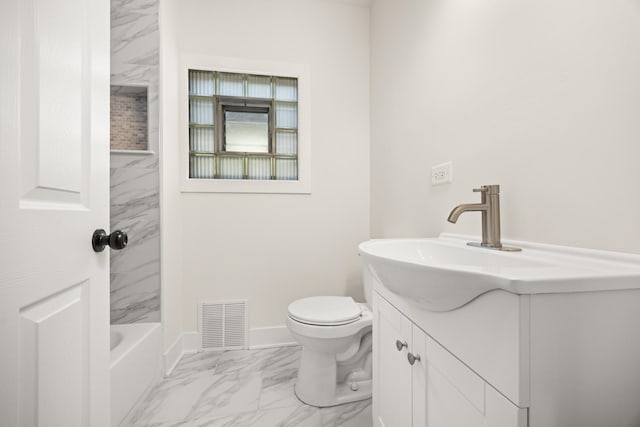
223, 325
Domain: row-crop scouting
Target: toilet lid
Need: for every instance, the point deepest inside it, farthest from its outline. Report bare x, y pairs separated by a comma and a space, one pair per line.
326, 311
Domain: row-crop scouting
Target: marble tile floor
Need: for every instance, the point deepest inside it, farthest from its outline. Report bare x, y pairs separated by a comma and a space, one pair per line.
242, 388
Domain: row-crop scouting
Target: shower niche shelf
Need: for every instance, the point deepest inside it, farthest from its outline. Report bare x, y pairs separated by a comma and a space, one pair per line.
129, 120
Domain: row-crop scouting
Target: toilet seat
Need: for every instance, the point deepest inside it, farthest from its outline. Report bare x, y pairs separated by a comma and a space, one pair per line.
365, 320
325, 311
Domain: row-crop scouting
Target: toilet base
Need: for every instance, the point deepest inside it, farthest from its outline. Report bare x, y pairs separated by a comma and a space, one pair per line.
344, 394
317, 386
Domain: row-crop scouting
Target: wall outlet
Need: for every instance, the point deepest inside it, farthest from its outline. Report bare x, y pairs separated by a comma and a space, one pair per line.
442, 173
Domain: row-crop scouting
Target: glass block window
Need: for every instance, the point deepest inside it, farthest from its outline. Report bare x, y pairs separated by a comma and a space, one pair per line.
242, 126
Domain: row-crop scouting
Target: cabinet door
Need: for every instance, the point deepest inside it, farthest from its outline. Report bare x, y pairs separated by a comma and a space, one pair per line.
392, 372
455, 395
502, 413
419, 377
446, 406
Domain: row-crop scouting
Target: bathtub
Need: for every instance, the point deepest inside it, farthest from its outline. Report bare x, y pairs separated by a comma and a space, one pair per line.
136, 351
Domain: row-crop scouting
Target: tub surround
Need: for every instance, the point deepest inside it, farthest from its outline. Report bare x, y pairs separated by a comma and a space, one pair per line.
135, 272
134, 297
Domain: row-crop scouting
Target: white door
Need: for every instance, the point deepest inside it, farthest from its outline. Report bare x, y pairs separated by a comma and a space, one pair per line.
54, 118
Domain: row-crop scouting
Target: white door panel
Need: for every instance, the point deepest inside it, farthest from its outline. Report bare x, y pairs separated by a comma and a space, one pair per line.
51, 372
54, 121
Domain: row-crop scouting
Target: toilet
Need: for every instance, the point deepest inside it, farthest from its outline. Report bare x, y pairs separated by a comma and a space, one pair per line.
335, 335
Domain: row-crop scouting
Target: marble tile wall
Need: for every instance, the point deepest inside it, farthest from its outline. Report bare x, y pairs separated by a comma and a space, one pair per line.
135, 271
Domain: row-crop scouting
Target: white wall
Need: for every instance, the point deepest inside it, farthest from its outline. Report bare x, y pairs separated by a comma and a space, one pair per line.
542, 97
171, 217
268, 248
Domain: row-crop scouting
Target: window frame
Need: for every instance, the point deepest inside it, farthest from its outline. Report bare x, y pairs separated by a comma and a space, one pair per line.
223, 104
301, 72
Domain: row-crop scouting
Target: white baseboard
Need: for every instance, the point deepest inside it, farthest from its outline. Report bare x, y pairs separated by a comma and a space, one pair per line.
272, 336
189, 342
173, 355
186, 343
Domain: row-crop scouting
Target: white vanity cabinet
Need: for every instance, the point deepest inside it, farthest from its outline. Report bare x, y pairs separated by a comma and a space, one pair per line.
437, 390
545, 337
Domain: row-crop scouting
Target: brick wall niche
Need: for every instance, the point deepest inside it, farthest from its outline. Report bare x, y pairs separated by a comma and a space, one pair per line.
129, 122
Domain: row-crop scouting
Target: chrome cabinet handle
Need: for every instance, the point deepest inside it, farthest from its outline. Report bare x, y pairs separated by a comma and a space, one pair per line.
400, 345
412, 358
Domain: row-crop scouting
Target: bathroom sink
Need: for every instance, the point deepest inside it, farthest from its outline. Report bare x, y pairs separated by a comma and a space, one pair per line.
444, 273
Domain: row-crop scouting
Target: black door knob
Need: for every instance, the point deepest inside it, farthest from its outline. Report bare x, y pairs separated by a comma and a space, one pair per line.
116, 240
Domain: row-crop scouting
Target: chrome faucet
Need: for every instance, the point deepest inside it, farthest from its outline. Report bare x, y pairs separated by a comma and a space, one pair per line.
490, 208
